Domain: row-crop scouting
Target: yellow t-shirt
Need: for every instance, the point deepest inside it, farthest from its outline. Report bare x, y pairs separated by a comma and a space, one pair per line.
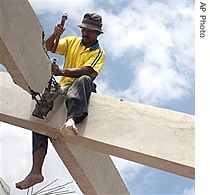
76, 56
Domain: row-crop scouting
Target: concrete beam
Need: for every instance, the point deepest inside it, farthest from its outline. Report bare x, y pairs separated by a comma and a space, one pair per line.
94, 172
152, 136
21, 48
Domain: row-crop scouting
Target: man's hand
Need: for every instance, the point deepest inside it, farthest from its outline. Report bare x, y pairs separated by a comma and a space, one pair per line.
58, 30
56, 70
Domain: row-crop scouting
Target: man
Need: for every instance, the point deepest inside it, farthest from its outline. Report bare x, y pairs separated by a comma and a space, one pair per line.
84, 59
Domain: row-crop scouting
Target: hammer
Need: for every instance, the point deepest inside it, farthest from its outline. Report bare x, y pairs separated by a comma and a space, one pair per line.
63, 19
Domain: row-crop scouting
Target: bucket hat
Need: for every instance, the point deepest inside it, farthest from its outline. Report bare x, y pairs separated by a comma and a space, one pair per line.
92, 21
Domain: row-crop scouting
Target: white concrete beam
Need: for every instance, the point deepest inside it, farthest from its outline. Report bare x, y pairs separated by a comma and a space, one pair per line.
94, 172
21, 48
156, 137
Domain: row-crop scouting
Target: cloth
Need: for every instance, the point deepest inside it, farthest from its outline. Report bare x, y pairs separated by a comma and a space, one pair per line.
38, 141
77, 56
92, 21
77, 98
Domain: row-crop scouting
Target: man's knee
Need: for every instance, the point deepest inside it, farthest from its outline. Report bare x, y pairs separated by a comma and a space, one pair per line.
84, 78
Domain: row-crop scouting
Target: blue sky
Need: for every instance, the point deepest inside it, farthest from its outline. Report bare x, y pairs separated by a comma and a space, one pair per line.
150, 48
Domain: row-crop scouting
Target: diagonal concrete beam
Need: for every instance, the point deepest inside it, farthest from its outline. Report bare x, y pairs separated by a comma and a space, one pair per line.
22, 53
152, 136
94, 172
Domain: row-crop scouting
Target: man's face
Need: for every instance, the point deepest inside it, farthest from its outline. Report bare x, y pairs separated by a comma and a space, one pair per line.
89, 36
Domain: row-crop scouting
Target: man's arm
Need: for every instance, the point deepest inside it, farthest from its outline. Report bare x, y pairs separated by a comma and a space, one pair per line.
74, 72
49, 42
58, 31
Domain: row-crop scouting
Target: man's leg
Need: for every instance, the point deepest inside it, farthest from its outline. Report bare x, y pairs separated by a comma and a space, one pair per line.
77, 100
40, 144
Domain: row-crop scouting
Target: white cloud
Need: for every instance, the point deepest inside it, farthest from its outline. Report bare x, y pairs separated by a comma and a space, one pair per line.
190, 191
127, 169
154, 84
158, 40
50, 8
15, 144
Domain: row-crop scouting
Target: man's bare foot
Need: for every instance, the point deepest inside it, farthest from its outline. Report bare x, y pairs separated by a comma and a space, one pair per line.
70, 126
29, 181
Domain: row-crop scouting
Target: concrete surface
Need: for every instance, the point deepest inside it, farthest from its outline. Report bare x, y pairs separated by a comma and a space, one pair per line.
21, 48
153, 136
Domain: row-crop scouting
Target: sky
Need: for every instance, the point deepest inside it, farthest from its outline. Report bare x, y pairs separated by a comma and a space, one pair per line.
150, 48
